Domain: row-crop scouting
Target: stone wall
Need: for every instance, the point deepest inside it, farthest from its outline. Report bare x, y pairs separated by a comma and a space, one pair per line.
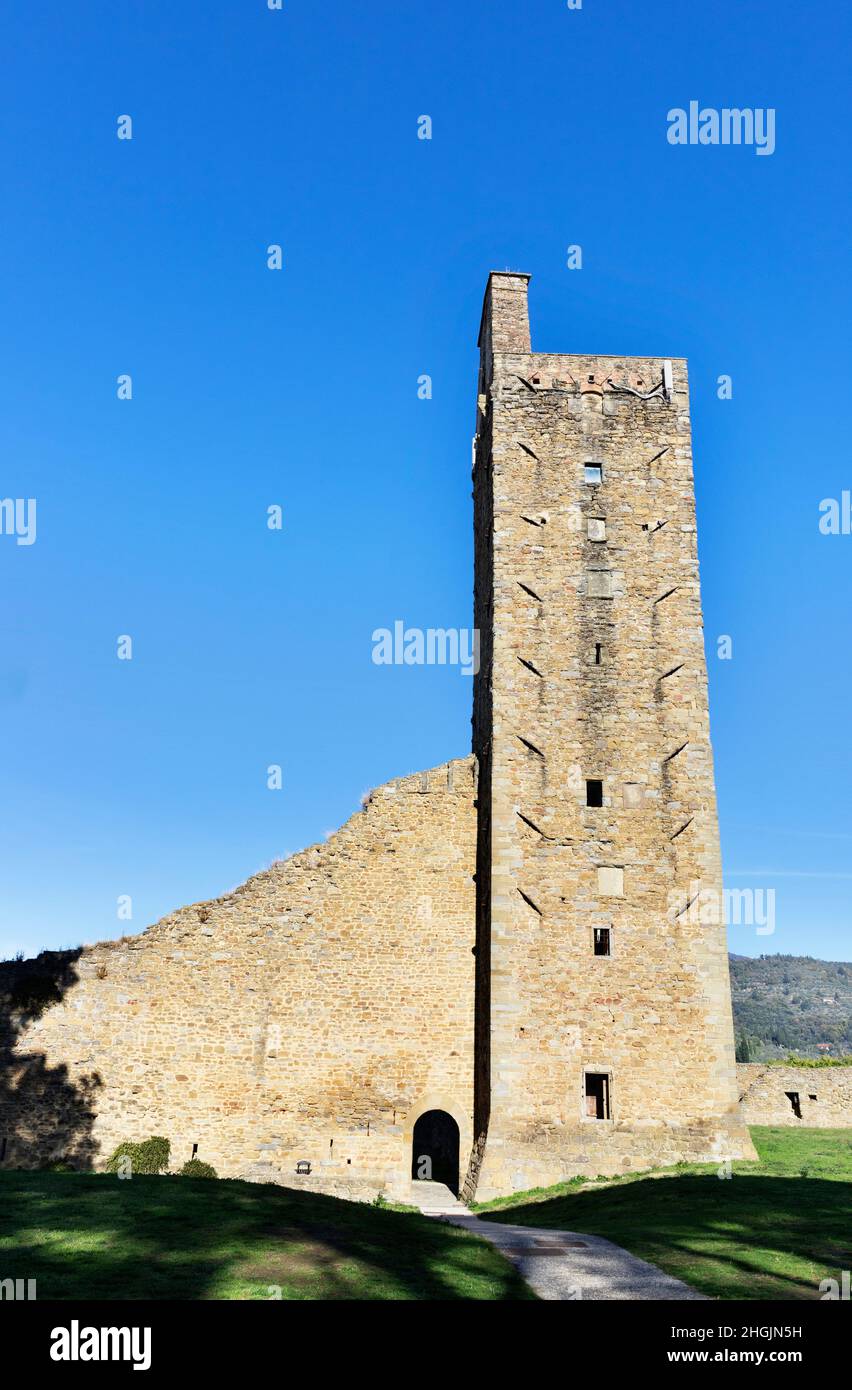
815, 1097
310, 1015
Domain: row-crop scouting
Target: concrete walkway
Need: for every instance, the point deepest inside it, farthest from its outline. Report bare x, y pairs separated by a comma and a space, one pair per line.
436, 1199
559, 1264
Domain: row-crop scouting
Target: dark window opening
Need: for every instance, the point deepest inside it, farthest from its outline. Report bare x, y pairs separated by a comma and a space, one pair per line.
811, 1096
2, 1148
593, 473
602, 941
598, 653
597, 1095
194, 1150
594, 792
435, 1149
793, 1098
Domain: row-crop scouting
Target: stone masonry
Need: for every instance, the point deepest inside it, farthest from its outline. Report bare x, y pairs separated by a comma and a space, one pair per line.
506, 940
812, 1097
309, 1016
587, 598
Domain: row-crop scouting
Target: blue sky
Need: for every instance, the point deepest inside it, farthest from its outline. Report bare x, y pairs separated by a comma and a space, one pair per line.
253, 387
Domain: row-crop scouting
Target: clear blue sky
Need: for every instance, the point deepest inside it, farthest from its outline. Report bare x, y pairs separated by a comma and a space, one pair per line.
253, 387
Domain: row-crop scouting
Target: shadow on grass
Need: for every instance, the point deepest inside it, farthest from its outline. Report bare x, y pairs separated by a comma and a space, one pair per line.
749, 1237
89, 1237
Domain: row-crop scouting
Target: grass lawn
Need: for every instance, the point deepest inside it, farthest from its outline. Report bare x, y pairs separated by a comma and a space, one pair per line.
85, 1236
771, 1231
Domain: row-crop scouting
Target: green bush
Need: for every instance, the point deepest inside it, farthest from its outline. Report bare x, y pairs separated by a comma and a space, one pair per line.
151, 1156
793, 1061
194, 1168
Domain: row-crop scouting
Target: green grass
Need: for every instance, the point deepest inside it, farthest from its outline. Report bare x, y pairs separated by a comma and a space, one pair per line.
771, 1231
84, 1236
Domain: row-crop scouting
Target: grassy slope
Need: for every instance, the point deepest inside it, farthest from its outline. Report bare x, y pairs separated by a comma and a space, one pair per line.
771, 1231
87, 1237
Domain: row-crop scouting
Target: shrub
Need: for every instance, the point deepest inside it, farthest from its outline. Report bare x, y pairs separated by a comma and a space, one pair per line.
151, 1156
793, 1061
194, 1168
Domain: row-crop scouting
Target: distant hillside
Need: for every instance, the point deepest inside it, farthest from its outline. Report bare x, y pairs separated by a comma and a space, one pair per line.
792, 1004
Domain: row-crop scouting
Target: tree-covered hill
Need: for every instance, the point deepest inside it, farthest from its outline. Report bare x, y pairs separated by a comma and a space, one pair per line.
786, 1004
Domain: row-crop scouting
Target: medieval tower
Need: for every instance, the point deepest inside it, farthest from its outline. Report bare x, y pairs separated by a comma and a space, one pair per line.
604, 1028
505, 966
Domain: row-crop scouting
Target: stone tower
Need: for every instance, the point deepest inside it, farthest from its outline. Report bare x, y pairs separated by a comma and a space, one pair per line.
604, 1035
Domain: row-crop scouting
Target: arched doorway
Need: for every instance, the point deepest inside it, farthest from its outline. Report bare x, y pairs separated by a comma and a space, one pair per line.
435, 1149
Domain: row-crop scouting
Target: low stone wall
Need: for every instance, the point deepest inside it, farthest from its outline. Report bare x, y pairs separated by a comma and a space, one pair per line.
818, 1097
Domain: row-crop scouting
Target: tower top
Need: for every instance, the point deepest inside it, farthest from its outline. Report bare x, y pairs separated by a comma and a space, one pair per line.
505, 324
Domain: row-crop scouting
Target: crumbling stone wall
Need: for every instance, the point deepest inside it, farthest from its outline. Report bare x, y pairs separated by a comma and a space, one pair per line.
310, 1015
814, 1097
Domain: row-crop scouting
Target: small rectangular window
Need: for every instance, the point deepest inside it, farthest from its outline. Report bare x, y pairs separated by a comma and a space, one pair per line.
593, 473
598, 653
597, 1095
602, 941
594, 792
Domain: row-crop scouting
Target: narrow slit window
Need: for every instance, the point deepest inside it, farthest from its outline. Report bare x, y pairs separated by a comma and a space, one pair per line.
598, 653
594, 792
602, 940
593, 473
795, 1103
597, 1095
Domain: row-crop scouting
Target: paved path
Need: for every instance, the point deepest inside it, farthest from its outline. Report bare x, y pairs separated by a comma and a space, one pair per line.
559, 1264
